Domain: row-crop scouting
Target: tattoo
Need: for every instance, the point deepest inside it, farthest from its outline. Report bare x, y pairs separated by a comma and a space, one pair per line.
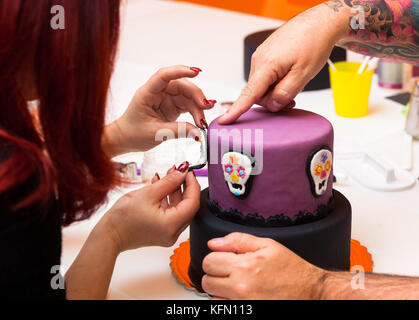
407, 52
335, 5
383, 28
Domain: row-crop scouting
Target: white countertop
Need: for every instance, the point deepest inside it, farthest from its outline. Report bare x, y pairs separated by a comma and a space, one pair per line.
162, 33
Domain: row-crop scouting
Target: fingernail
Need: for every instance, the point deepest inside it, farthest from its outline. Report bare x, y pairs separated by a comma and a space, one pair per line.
183, 167
213, 101
197, 139
196, 69
290, 106
217, 241
157, 176
204, 124
276, 106
206, 102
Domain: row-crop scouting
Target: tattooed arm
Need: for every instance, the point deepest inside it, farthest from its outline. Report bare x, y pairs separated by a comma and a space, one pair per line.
382, 28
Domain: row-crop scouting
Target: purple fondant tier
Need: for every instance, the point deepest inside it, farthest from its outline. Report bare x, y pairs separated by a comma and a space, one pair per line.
271, 163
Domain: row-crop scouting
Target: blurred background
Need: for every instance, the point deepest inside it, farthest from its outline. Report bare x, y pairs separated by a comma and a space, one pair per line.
277, 9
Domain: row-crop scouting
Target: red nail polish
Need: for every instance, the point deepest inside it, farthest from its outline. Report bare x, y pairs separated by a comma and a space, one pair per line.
197, 139
196, 69
183, 167
290, 106
204, 124
206, 102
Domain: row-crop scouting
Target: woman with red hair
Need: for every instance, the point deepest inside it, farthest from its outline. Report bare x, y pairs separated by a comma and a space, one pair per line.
58, 170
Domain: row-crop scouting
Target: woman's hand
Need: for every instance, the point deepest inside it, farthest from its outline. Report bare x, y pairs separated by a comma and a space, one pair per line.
155, 107
246, 267
288, 60
155, 215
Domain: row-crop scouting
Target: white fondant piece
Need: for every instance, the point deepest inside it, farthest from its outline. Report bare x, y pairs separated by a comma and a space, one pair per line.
320, 169
377, 173
203, 157
237, 169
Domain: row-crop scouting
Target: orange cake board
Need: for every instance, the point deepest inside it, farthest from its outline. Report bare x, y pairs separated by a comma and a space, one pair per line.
180, 260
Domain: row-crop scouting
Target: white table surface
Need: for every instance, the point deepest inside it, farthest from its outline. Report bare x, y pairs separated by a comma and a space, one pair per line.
162, 33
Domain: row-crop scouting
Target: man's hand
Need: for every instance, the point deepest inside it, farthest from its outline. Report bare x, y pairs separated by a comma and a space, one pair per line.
288, 60
246, 267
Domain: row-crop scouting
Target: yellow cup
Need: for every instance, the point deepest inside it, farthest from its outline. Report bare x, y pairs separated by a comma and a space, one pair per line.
351, 90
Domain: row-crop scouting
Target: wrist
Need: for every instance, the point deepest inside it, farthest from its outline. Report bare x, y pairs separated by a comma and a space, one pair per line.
113, 142
105, 231
337, 16
317, 285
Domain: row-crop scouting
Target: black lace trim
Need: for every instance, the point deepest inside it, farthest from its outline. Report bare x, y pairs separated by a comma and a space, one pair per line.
279, 220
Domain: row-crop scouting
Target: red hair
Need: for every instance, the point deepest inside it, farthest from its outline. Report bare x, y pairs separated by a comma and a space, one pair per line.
71, 69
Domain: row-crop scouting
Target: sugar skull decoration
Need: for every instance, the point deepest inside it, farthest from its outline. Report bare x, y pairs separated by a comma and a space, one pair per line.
237, 169
319, 169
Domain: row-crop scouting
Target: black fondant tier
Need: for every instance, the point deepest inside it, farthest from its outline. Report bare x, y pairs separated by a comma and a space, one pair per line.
320, 81
324, 243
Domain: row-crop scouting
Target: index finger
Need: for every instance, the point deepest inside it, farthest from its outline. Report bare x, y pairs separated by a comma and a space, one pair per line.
163, 76
257, 86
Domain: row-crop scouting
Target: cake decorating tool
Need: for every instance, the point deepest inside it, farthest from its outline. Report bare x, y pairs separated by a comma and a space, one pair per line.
390, 74
411, 127
407, 153
128, 173
375, 172
339, 176
412, 120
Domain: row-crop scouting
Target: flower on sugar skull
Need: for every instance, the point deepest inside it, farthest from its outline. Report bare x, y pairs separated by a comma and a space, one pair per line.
237, 169
319, 168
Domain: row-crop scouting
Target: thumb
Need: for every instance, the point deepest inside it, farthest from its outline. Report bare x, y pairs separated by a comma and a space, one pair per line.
257, 86
286, 90
170, 183
237, 242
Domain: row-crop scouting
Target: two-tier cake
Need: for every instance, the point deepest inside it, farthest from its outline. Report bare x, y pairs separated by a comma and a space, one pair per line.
271, 175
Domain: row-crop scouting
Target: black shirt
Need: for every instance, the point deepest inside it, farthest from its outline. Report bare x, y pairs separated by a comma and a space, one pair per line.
30, 247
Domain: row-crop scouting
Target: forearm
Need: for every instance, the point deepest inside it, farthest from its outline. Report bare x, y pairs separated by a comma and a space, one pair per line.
350, 286
381, 28
90, 274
